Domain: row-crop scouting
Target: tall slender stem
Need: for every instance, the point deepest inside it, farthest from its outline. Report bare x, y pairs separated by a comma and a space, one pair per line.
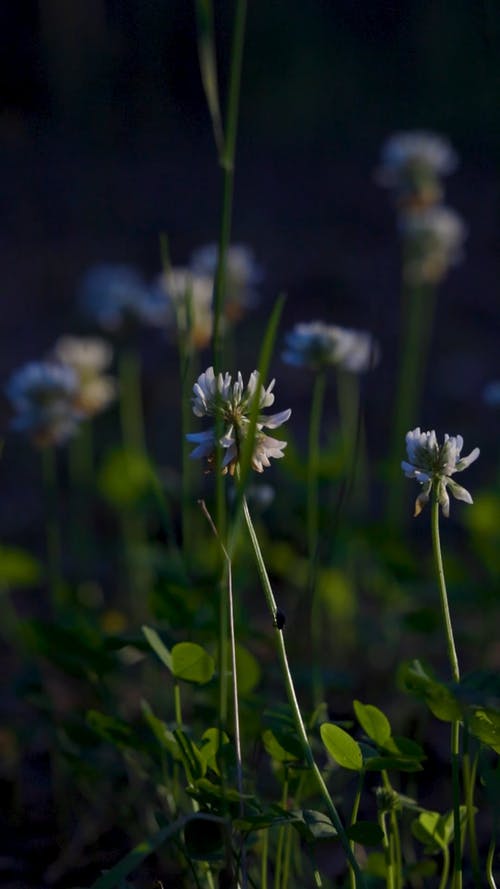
313, 531
294, 704
132, 420
455, 672
416, 329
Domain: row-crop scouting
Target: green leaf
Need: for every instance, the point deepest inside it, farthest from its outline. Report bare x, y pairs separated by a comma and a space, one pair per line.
313, 825
111, 729
367, 833
373, 722
18, 568
341, 747
437, 695
114, 877
125, 478
191, 663
375, 865
209, 751
485, 725
397, 763
248, 669
192, 760
158, 647
161, 731
281, 746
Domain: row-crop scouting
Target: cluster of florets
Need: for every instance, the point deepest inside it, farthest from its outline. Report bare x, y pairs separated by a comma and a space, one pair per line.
432, 465
413, 165
317, 345
230, 404
51, 398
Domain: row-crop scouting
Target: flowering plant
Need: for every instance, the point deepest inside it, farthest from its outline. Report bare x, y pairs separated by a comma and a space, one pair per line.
433, 465
231, 403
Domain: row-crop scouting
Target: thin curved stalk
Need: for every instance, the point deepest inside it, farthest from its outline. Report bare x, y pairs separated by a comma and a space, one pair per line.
294, 704
455, 671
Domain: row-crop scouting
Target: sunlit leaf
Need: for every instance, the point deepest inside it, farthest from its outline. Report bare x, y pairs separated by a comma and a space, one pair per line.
192, 663
341, 747
158, 647
373, 722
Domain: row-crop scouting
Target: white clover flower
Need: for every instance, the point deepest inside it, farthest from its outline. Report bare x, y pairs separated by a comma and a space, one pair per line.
433, 465
243, 275
113, 294
412, 164
317, 345
188, 298
217, 396
88, 357
434, 240
43, 396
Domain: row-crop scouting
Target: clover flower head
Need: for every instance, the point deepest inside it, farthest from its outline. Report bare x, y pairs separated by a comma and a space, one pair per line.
88, 356
188, 298
231, 404
412, 163
434, 240
243, 276
112, 294
43, 396
432, 465
317, 345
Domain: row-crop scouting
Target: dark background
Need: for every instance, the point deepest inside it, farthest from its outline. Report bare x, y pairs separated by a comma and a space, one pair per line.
105, 141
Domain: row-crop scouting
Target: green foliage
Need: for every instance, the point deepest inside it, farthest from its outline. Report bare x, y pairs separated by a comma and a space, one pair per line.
438, 696
341, 747
126, 478
18, 568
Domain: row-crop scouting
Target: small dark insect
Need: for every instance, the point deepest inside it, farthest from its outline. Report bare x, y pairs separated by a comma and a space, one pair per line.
279, 619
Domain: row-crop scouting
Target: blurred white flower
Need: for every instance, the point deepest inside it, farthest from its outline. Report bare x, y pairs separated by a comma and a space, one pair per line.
88, 357
243, 275
434, 241
43, 396
432, 465
217, 396
188, 299
317, 345
412, 163
491, 393
114, 294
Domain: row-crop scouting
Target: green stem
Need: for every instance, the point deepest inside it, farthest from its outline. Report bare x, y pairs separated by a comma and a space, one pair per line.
489, 864
81, 469
294, 704
131, 412
263, 863
354, 816
469, 779
416, 323
446, 868
312, 532
354, 456
455, 671
177, 705
52, 528
227, 163
234, 673
389, 868
281, 838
